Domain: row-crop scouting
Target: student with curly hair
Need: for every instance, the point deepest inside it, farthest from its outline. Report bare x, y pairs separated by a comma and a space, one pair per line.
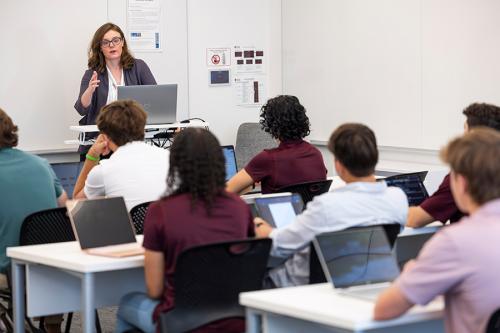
293, 161
196, 210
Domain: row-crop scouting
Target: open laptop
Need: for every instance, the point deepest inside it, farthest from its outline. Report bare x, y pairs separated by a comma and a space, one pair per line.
278, 211
358, 262
231, 166
67, 173
159, 101
103, 227
413, 186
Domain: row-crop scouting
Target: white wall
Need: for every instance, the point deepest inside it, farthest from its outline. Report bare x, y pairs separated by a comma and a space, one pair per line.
225, 24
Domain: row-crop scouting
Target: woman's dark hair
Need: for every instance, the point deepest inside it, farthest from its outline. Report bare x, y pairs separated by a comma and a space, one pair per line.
197, 166
285, 118
355, 146
96, 57
8, 131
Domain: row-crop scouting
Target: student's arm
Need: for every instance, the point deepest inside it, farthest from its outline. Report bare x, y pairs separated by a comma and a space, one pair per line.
61, 200
391, 304
239, 183
154, 269
99, 148
418, 217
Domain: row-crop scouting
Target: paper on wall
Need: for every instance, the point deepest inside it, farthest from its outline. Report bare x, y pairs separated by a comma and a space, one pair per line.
144, 25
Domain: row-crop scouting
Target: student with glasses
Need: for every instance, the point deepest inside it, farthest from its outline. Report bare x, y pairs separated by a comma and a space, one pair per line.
110, 65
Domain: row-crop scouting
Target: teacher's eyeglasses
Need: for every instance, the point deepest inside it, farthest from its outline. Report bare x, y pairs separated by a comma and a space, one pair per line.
115, 41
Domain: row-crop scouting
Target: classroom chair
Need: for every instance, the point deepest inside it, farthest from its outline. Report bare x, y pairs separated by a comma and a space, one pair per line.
251, 140
209, 279
494, 323
316, 273
138, 214
50, 226
308, 190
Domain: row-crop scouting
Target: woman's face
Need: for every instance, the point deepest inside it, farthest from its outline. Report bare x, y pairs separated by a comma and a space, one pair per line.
112, 45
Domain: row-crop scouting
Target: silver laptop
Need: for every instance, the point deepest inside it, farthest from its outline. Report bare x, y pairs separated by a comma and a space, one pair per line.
103, 227
278, 211
159, 101
358, 262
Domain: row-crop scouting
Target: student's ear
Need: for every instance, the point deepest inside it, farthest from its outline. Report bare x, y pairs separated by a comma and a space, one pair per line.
339, 168
459, 189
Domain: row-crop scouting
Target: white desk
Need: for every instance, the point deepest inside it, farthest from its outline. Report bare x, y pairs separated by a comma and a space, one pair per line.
149, 129
319, 308
60, 278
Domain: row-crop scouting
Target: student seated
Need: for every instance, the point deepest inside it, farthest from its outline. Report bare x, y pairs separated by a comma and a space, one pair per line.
361, 202
196, 211
28, 184
293, 161
136, 171
460, 261
440, 206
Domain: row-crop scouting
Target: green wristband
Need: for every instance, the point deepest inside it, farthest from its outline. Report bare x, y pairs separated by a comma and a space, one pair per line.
92, 158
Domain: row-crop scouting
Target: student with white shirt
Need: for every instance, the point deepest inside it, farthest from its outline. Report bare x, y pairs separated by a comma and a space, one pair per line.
361, 202
136, 170
110, 65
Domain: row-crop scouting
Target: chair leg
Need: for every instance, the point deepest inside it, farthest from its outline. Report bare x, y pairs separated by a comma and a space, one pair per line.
69, 319
97, 322
41, 323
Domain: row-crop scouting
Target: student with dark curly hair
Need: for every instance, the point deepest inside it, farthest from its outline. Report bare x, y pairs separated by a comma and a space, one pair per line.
294, 161
196, 210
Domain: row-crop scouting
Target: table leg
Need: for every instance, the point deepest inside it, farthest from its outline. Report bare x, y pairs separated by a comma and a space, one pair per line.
253, 321
88, 303
18, 286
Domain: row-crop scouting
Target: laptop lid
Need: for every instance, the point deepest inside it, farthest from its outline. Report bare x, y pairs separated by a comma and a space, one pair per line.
230, 157
412, 185
279, 211
356, 257
159, 101
100, 222
67, 173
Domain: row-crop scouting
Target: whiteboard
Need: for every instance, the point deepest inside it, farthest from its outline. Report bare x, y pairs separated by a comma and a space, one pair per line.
44, 55
405, 68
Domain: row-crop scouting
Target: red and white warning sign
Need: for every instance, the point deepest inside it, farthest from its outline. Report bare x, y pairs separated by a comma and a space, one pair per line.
218, 57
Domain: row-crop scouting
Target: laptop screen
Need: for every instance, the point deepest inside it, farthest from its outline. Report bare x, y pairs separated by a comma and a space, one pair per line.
231, 167
101, 222
279, 211
356, 257
412, 185
67, 173
159, 101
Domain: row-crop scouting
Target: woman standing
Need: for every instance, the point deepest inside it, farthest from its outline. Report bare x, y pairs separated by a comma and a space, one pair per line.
110, 65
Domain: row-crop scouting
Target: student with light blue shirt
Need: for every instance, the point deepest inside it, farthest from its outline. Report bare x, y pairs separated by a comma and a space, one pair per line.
361, 202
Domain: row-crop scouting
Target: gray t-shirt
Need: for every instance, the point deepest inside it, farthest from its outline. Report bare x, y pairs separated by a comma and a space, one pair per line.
461, 263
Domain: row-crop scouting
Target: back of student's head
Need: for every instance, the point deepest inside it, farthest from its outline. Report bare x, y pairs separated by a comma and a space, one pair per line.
197, 166
476, 156
8, 131
482, 114
285, 118
355, 147
122, 121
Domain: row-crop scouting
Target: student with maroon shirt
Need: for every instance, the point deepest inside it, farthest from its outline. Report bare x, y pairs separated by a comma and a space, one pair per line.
293, 161
441, 206
197, 210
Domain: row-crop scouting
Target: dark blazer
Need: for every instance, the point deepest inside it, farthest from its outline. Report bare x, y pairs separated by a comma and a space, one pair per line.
139, 74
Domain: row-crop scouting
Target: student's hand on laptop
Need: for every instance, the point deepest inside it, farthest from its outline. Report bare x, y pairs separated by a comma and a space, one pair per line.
262, 228
100, 147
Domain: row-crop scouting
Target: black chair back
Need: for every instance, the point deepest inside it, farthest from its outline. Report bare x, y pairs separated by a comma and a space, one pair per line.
316, 273
138, 215
47, 226
308, 190
208, 280
494, 323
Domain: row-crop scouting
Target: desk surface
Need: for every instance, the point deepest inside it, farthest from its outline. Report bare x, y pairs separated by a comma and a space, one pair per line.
69, 256
320, 303
93, 128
